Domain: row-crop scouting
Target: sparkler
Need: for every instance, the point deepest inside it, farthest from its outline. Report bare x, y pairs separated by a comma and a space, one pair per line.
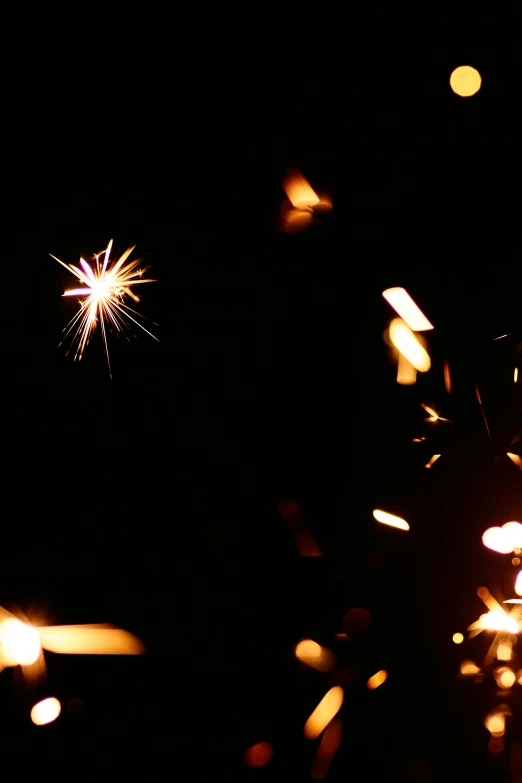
105, 286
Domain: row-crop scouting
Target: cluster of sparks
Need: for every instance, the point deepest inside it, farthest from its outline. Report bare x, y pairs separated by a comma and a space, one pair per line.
105, 284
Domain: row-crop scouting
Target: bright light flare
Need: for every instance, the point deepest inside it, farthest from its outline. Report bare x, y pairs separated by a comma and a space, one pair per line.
46, 711
104, 288
404, 306
408, 345
299, 191
495, 620
495, 724
325, 711
19, 643
390, 519
102, 639
377, 679
515, 459
315, 656
465, 81
504, 651
503, 539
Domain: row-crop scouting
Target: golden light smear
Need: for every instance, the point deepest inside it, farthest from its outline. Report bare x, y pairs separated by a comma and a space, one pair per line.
404, 306
45, 711
406, 372
495, 723
495, 538
306, 544
325, 711
515, 375
406, 343
390, 519
315, 656
104, 639
432, 461
258, 755
324, 205
299, 191
295, 220
447, 377
377, 679
19, 643
504, 651
515, 459
465, 81
458, 638
327, 749
495, 621
468, 667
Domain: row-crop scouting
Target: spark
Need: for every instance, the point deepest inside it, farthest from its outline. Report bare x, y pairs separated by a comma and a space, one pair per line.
105, 286
481, 406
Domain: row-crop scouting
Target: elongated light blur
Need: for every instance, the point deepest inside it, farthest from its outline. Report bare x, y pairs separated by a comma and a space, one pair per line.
406, 343
404, 306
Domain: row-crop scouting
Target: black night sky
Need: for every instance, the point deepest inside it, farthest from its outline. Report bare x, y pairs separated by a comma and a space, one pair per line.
151, 501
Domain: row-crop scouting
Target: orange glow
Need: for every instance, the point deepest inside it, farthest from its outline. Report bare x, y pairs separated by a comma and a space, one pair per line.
516, 561
495, 745
306, 544
104, 639
495, 722
468, 667
465, 81
504, 677
495, 621
513, 535
458, 638
377, 679
299, 191
324, 204
327, 709
258, 755
432, 461
406, 343
390, 519
504, 651
406, 372
495, 538
315, 656
404, 306
515, 459
518, 583
295, 220
289, 511
45, 711
327, 749
19, 643
447, 377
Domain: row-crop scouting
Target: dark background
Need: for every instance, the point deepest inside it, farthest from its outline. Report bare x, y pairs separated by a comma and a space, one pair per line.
151, 500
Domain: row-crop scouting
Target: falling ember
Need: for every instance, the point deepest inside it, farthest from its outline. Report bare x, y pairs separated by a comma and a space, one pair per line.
325, 711
406, 343
45, 711
406, 372
390, 519
515, 459
432, 461
447, 377
105, 286
315, 656
299, 191
458, 638
404, 306
377, 679
258, 755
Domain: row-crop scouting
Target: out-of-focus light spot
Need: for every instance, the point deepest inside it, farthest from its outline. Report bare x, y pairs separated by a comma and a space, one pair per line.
406, 372
465, 81
315, 656
458, 638
404, 306
327, 749
103, 639
515, 459
518, 583
432, 461
513, 535
517, 550
515, 375
289, 511
468, 667
495, 538
324, 205
406, 343
377, 679
299, 191
390, 519
342, 637
306, 544
434, 416
516, 561
447, 377
296, 220
418, 440
504, 651
327, 709
258, 755
504, 677
495, 745
357, 621
496, 620
19, 643
496, 724
45, 711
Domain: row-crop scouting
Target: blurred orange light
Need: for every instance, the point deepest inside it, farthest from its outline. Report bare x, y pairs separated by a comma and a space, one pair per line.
515, 459
306, 544
447, 377
295, 220
406, 372
406, 343
327, 709
468, 667
258, 755
390, 519
327, 749
505, 677
404, 306
504, 652
19, 643
496, 724
324, 204
495, 538
458, 638
103, 639
299, 191
518, 583
465, 81
377, 679
45, 711
315, 656
432, 461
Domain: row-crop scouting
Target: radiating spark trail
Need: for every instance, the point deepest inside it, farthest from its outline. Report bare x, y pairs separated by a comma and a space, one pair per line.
104, 289
479, 400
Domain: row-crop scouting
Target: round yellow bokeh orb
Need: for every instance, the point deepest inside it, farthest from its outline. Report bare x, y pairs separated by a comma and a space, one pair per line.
465, 81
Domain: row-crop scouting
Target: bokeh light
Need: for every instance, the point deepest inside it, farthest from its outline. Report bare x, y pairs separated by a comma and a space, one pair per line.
377, 679
258, 755
465, 81
46, 711
19, 643
458, 638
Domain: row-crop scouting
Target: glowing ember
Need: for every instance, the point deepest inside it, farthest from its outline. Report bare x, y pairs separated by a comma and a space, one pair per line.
45, 711
406, 343
404, 306
390, 519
